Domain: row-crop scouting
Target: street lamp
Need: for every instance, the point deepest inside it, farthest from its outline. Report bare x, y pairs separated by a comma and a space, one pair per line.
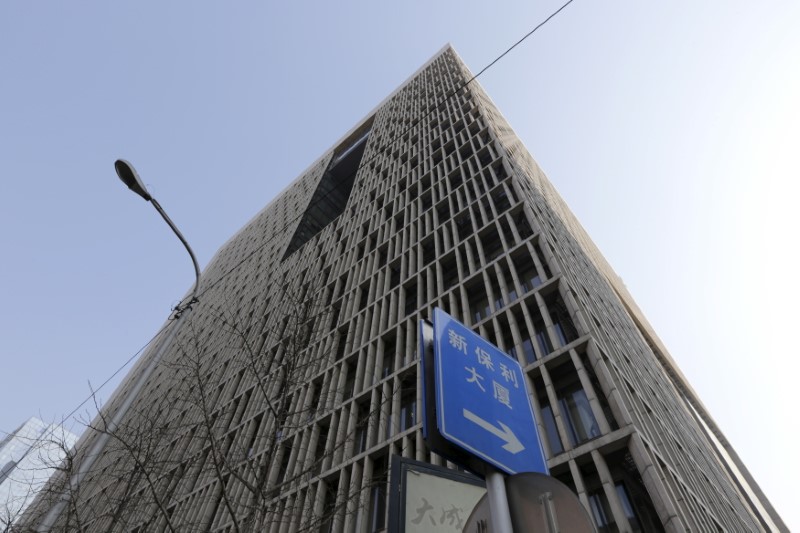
129, 177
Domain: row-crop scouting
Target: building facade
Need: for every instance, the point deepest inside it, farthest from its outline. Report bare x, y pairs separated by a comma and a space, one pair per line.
282, 399
28, 457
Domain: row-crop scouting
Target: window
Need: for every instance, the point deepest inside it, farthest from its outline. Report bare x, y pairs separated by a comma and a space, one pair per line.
335, 309
528, 352
562, 323
601, 513
464, 226
574, 405
394, 273
350, 381
549, 421
341, 347
485, 157
408, 404
540, 257
498, 294
627, 507
577, 412
499, 170
377, 499
362, 429
283, 472
411, 299
477, 217
552, 430
601, 397
320, 449
364, 296
508, 339
465, 152
428, 251
443, 211
526, 272
329, 506
631, 493
506, 274
426, 201
389, 349
523, 226
478, 302
501, 201
540, 332
455, 180
387, 366
449, 270
492, 244
541, 337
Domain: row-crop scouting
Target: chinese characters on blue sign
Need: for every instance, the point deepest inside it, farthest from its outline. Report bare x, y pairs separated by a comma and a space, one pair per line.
482, 404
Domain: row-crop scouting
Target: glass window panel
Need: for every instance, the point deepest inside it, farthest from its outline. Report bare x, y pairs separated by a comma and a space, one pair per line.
578, 416
552, 431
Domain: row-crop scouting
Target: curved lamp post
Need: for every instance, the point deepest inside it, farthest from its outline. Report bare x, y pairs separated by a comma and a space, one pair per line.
129, 177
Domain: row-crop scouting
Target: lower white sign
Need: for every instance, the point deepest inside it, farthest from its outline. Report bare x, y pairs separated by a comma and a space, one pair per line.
438, 505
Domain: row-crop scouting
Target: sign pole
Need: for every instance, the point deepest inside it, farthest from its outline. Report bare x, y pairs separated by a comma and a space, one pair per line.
498, 501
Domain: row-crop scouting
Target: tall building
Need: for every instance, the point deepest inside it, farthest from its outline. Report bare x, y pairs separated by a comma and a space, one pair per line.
286, 391
28, 457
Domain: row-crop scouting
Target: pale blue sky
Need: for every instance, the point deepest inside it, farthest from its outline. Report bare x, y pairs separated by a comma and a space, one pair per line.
672, 130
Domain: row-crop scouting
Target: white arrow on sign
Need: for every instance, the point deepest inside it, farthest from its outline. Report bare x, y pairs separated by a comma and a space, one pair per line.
512, 444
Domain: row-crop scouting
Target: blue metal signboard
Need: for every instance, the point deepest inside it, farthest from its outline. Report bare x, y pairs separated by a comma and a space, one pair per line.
482, 402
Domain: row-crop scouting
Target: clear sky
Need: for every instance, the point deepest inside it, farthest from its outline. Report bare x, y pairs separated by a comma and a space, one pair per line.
672, 129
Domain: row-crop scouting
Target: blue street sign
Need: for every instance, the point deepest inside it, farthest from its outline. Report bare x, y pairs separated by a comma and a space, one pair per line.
482, 402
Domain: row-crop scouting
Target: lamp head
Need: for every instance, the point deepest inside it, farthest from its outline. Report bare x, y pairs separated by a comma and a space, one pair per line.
129, 177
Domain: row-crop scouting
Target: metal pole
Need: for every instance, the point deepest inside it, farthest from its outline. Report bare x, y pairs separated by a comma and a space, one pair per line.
180, 236
498, 501
101, 441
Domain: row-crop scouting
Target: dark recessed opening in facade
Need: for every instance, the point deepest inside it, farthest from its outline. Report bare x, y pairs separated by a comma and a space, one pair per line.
333, 190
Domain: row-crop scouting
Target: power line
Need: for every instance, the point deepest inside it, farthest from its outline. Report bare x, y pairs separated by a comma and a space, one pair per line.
501, 56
